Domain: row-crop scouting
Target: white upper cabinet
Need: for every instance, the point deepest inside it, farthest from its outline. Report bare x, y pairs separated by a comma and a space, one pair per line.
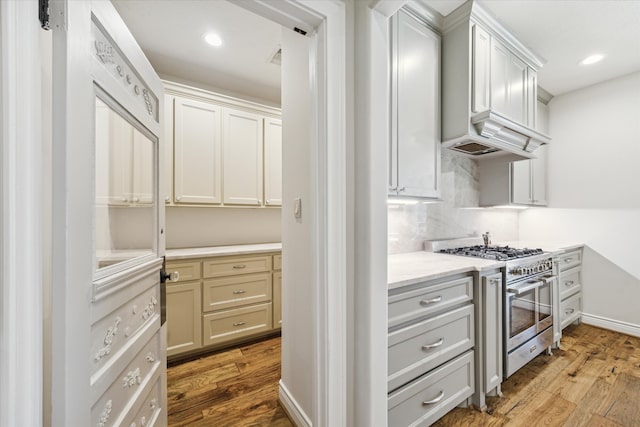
197, 152
272, 162
415, 123
168, 149
242, 158
481, 70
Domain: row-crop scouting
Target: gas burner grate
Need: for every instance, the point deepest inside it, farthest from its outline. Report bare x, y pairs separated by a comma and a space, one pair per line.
498, 253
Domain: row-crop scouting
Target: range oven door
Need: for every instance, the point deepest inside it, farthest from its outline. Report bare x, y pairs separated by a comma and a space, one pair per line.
528, 309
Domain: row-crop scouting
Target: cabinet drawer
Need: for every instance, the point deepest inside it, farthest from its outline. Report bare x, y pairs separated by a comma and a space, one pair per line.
570, 309
237, 265
240, 322
277, 262
148, 414
128, 387
420, 347
431, 396
570, 259
429, 299
229, 292
186, 271
570, 282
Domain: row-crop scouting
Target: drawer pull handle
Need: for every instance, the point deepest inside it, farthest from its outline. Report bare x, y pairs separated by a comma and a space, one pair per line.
431, 301
569, 311
239, 266
569, 282
568, 259
239, 292
435, 399
434, 345
239, 323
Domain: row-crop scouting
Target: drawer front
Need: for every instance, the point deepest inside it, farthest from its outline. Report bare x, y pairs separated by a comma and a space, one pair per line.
570, 282
119, 328
238, 323
570, 309
131, 382
186, 271
277, 262
406, 306
431, 396
237, 265
230, 292
420, 347
570, 260
148, 415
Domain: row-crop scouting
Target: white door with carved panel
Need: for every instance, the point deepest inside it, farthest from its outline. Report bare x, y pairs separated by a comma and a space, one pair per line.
108, 340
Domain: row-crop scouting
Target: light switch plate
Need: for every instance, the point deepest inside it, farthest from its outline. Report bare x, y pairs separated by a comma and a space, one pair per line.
297, 207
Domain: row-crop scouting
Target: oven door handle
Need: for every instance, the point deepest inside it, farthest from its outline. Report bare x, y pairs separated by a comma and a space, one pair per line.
517, 290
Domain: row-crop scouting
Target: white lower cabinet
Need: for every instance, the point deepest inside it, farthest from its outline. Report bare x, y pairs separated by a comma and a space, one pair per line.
568, 294
431, 363
220, 300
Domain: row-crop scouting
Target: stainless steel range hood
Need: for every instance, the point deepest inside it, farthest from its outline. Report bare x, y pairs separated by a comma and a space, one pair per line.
493, 135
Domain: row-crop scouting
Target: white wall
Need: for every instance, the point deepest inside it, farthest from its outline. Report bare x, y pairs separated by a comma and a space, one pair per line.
298, 352
594, 195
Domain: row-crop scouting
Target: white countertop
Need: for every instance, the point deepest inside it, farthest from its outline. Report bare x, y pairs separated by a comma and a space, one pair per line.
414, 267
185, 253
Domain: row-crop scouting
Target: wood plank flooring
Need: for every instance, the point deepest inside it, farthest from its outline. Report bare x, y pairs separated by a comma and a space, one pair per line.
238, 387
592, 380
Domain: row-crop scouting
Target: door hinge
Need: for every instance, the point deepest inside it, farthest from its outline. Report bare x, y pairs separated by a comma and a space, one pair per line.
43, 14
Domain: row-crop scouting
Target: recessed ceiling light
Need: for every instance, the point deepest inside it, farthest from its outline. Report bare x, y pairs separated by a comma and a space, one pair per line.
213, 39
592, 59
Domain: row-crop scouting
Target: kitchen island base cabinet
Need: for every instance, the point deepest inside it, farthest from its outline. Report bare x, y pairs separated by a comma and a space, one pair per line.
431, 396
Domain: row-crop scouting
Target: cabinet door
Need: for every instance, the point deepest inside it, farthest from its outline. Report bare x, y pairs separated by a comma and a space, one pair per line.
277, 299
532, 98
184, 318
197, 151
120, 160
481, 71
521, 182
167, 173
417, 115
492, 327
272, 162
539, 177
508, 83
517, 106
242, 146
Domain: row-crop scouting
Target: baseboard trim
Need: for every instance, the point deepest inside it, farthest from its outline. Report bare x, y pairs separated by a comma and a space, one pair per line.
611, 324
293, 410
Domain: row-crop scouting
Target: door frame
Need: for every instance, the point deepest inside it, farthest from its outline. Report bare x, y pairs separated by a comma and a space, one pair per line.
22, 247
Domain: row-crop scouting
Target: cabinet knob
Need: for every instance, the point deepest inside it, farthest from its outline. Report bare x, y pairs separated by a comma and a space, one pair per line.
178, 198
401, 189
167, 199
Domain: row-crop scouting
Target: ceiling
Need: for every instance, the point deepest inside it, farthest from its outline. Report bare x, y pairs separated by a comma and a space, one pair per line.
566, 31
171, 33
562, 31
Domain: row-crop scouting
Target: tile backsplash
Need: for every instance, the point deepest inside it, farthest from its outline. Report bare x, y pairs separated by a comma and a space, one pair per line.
457, 215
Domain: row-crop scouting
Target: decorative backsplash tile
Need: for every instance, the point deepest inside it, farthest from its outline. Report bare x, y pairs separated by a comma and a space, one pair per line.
457, 215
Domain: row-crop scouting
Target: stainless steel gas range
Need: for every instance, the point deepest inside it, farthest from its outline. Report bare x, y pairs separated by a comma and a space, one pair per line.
527, 300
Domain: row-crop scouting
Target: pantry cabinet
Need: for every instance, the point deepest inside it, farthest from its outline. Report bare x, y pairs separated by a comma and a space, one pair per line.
242, 158
222, 151
197, 152
415, 108
221, 300
272, 162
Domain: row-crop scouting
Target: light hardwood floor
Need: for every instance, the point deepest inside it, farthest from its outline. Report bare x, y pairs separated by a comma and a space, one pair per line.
238, 387
593, 380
